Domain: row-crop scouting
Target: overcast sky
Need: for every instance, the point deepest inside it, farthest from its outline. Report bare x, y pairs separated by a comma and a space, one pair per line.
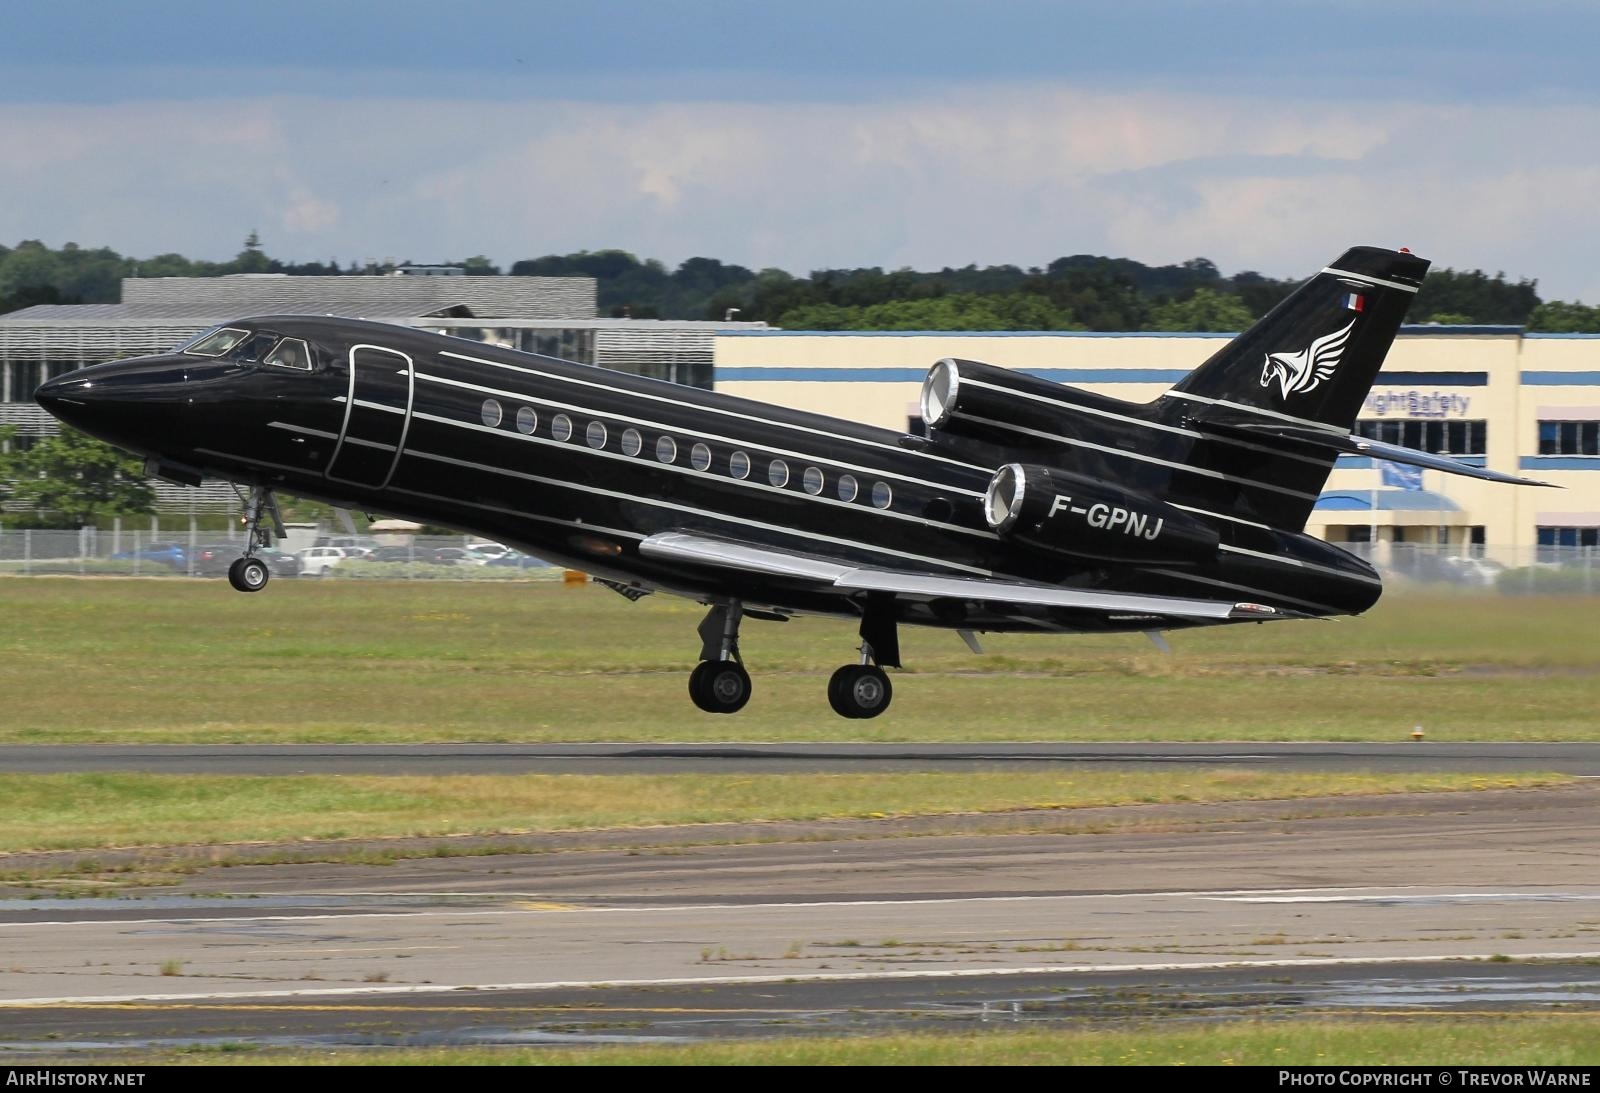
1263, 135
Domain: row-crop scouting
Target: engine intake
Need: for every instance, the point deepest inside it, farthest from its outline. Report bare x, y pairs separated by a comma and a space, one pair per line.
1066, 513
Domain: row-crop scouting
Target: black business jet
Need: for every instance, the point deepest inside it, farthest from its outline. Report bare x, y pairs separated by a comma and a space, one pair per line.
1029, 506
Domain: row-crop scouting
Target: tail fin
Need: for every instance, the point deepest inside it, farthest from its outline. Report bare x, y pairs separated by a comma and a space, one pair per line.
1273, 403
1312, 359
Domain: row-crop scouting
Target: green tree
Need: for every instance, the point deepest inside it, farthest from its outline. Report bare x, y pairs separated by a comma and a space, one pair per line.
1560, 317
252, 259
1463, 292
1205, 310
962, 311
73, 480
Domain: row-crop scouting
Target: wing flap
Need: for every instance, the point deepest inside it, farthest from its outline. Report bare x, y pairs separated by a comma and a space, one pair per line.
748, 558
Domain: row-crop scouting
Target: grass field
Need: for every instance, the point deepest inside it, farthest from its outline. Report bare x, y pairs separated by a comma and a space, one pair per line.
93, 811
166, 661
1503, 1040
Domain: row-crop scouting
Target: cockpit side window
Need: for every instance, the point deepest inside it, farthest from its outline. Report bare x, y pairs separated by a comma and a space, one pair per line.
291, 353
255, 348
215, 343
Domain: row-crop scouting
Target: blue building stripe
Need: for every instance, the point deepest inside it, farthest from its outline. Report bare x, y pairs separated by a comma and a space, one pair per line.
916, 375
1561, 463
1366, 462
778, 333
1561, 379
1436, 379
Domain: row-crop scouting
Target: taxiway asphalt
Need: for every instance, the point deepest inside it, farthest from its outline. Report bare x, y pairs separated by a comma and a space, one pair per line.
1490, 898
1569, 758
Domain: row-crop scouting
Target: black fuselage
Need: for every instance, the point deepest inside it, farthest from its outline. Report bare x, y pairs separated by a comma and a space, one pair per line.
579, 465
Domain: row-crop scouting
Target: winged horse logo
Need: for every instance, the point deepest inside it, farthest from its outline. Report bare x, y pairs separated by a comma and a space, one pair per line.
1300, 372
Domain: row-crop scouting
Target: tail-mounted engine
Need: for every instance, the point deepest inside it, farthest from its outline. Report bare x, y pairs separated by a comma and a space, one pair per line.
1065, 513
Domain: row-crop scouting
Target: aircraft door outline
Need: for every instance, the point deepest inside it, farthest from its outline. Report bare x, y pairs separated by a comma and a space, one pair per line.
369, 430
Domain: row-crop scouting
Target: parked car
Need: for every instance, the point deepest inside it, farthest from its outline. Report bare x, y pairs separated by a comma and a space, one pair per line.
1479, 571
316, 561
458, 556
490, 551
358, 546
173, 555
214, 559
402, 554
519, 560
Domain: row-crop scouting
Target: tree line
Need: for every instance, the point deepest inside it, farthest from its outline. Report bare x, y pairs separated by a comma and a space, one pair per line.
1077, 292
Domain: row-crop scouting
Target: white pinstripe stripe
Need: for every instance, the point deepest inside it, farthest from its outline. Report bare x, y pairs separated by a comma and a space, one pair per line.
613, 389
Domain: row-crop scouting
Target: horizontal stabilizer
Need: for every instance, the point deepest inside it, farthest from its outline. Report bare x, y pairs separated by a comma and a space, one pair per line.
847, 578
1265, 432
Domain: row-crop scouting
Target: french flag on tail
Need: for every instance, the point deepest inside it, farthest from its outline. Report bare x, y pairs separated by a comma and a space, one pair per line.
1354, 302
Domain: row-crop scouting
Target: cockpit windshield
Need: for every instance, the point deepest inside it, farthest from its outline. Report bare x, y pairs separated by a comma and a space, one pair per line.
252, 347
215, 343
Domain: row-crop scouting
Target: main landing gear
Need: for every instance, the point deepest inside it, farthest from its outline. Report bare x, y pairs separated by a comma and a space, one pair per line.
250, 574
720, 684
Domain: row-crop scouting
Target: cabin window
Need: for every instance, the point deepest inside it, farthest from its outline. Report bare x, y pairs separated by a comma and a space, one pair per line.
527, 420
596, 435
778, 472
561, 427
217, 342
882, 495
700, 457
291, 353
739, 465
812, 480
666, 449
632, 442
847, 487
490, 412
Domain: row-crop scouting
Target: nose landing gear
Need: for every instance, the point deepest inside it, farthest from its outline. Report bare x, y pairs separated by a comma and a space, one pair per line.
250, 574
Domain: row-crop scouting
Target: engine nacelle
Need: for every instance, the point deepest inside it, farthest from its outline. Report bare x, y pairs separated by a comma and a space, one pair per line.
1065, 513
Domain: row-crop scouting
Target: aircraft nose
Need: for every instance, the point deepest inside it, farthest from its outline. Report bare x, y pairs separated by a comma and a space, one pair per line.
126, 402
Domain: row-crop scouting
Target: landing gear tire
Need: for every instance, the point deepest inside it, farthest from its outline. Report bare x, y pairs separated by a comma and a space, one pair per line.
249, 574
859, 690
719, 686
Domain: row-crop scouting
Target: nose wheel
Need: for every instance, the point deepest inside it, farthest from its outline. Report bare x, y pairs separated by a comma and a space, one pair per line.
248, 574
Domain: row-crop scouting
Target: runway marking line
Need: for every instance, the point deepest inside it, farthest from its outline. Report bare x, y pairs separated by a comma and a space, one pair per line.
1263, 895
792, 977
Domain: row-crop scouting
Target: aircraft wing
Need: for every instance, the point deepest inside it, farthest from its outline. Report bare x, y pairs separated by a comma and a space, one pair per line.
683, 547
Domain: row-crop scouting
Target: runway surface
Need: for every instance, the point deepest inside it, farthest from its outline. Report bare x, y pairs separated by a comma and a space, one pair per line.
1578, 759
1484, 901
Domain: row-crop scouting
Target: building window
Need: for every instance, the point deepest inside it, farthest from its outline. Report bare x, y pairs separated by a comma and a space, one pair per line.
700, 457
882, 495
1558, 544
847, 487
527, 420
561, 427
778, 472
812, 481
739, 465
490, 413
596, 435
632, 442
1437, 437
666, 449
1569, 438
